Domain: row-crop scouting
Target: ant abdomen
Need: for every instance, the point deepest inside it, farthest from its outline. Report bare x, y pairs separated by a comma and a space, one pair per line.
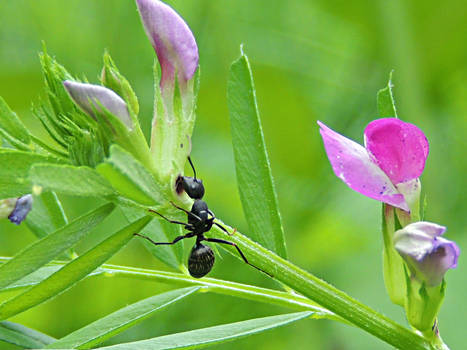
201, 260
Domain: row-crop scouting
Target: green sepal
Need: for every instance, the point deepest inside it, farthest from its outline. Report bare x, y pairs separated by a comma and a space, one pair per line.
111, 78
393, 264
423, 303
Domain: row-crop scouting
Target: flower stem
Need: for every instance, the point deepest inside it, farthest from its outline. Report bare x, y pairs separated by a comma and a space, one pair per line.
324, 294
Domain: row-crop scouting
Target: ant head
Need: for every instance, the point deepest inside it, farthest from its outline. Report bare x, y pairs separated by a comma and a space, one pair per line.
193, 187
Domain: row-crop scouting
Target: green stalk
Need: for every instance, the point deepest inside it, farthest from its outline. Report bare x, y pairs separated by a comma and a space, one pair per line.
324, 294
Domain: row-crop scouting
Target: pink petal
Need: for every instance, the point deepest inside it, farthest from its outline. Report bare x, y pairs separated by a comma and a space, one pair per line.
171, 38
400, 149
352, 164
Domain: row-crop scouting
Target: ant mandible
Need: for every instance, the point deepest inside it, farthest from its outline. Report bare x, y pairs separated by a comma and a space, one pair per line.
200, 220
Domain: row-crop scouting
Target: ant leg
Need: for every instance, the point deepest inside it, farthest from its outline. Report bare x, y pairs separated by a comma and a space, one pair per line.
225, 230
186, 211
221, 241
188, 235
187, 225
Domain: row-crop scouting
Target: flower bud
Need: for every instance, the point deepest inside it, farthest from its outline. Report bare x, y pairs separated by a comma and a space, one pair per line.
22, 208
428, 257
427, 254
91, 98
172, 40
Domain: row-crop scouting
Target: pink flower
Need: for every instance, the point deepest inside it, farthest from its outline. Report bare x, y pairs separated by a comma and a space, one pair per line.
388, 167
172, 40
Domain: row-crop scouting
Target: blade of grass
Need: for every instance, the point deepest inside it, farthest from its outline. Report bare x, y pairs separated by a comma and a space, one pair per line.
254, 178
22, 336
72, 272
41, 252
212, 335
117, 322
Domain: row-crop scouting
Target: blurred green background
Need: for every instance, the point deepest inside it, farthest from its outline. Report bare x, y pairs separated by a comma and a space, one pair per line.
322, 59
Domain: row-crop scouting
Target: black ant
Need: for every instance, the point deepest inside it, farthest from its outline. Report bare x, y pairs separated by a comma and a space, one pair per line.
201, 257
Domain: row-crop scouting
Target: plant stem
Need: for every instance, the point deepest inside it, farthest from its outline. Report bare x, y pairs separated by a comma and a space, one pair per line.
324, 294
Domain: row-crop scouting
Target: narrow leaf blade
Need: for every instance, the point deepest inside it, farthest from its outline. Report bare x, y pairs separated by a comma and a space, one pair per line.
385, 101
41, 252
117, 322
72, 180
47, 214
22, 336
72, 272
254, 179
213, 335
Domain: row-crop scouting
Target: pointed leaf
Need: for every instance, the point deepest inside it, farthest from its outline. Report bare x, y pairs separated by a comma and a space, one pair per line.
130, 178
212, 335
14, 180
72, 272
12, 129
22, 336
47, 214
254, 179
73, 180
385, 101
41, 252
117, 322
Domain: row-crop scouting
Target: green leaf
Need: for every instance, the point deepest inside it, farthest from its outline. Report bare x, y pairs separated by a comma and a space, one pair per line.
160, 231
254, 179
47, 214
73, 180
130, 178
22, 336
12, 129
385, 101
212, 335
119, 321
39, 275
72, 272
41, 252
14, 181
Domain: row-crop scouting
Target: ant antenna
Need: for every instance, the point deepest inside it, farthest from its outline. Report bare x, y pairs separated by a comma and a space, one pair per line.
192, 166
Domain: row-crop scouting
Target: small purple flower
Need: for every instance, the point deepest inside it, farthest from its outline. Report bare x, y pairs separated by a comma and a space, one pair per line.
172, 40
91, 97
22, 208
427, 254
388, 167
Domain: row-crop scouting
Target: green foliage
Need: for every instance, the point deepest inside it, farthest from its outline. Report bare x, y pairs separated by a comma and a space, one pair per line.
117, 322
254, 179
385, 101
130, 178
41, 252
12, 129
47, 214
72, 272
212, 335
14, 181
22, 336
78, 181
